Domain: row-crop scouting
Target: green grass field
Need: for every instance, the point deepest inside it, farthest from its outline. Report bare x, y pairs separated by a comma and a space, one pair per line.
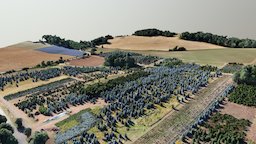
74, 120
216, 57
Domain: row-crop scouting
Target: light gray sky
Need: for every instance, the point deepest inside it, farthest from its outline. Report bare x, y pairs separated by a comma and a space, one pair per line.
22, 20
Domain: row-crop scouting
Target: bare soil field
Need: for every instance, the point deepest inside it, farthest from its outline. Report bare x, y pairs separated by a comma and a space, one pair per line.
156, 43
239, 111
23, 55
173, 125
90, 61
242, 112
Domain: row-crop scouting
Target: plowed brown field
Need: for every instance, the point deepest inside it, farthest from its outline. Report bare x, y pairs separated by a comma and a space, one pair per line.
23, 55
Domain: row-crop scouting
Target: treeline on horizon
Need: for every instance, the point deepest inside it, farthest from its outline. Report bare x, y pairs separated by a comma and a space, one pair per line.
154, 32
219, 40
225, 41
82, 45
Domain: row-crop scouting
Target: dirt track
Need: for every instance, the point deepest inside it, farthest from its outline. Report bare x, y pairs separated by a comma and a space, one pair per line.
172, 127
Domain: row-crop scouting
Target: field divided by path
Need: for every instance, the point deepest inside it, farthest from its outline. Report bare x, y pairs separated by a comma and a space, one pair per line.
173, 126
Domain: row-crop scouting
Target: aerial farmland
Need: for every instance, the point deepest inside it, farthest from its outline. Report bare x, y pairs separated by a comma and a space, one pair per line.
127, 72
101, 95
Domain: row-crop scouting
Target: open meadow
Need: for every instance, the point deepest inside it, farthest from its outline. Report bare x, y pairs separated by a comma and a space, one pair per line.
216, 57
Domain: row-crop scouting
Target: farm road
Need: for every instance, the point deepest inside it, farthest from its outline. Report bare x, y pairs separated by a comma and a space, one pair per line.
173, 125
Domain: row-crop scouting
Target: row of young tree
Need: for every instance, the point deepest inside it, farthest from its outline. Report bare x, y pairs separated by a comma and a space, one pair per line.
244, 94
132, 99
219, 40
221, 128
154, 32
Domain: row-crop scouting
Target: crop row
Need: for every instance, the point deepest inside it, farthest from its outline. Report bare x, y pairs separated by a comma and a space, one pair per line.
47, 74
43, 88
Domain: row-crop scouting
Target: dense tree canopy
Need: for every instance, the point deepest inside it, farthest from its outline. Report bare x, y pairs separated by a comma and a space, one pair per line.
6, 132
244, 94
247, 75
101, 40
40, 138
120, 59
6, 137
221, 128
2, 119
154, 32
219, 40
6, 126
55, 40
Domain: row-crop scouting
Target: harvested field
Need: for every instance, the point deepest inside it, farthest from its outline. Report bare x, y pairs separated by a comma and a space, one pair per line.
90, 61
242, 112
156, 43
23, 55
173, 125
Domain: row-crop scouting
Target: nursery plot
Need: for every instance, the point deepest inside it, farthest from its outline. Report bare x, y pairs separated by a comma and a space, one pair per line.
42, 88
135, 99
34, 76
221, 128
173, 126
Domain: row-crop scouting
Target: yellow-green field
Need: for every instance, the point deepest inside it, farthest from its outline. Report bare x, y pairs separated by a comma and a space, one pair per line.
142, 124
216, 57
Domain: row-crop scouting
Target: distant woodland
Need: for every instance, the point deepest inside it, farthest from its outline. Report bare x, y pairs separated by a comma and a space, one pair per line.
219, 40
198, 36
154, 32
58, 41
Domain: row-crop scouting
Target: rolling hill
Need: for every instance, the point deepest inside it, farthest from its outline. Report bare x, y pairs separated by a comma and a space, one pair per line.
156, 43
23, 55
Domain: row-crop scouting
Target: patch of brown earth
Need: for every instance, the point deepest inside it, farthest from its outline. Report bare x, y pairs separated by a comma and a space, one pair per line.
242, 112
90, 61
23, 55
156, 43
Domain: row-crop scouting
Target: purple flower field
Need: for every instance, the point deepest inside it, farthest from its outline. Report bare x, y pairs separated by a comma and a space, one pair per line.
61, 50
